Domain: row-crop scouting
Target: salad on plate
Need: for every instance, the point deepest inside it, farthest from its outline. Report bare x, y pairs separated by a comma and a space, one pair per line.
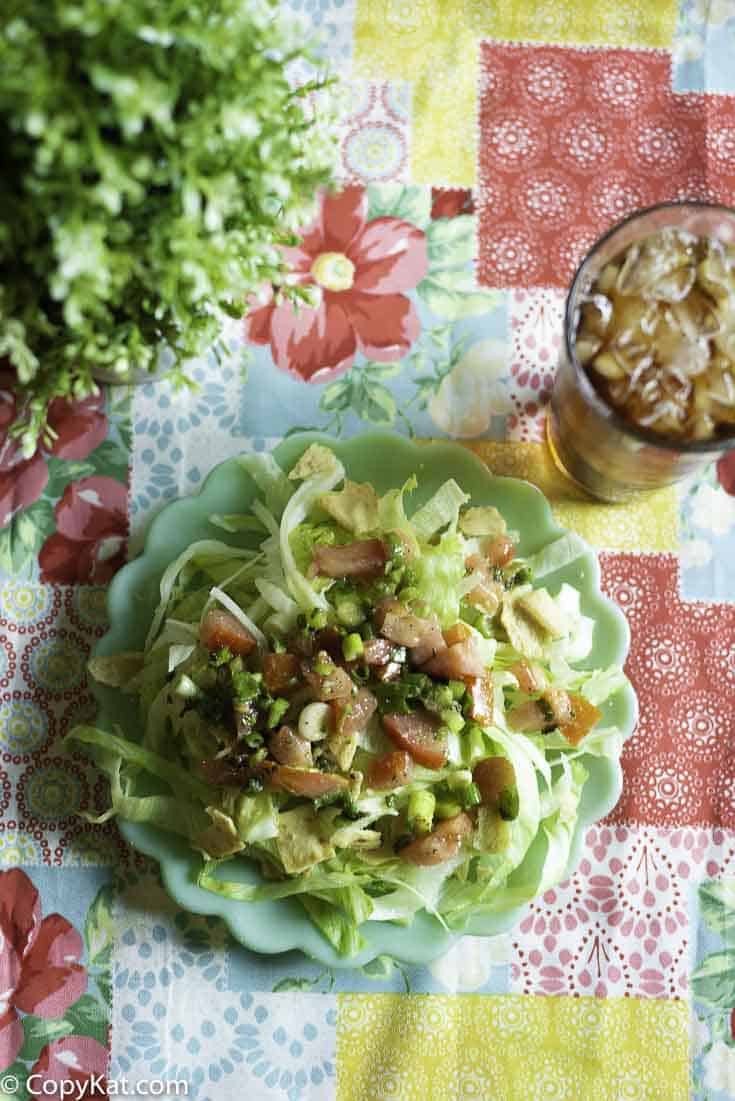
380, 706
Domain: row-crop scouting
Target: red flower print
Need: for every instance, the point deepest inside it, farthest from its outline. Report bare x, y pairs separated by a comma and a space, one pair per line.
88, 547
72, 1059
39, 968
448, 202
360, 269
77, 428
726, 472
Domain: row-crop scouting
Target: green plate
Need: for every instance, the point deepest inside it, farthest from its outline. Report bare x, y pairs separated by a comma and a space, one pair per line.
386, 461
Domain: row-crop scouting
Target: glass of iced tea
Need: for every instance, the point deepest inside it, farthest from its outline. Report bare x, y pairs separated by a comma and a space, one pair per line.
645, 390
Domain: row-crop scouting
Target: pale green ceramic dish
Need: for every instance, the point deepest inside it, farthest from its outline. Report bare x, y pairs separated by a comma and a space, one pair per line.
385, 461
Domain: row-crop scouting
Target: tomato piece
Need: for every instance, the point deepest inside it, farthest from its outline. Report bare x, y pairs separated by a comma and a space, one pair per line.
530, 677
220, 629
364, 559
392, 770
481, 694
463, 659
279, 672
310, 783
352, 715
441, 844
289, 748
492, 776
586, 715
500, 551
458, 632
418, 734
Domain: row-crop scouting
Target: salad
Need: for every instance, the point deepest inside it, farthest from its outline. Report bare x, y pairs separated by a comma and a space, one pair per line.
377, 705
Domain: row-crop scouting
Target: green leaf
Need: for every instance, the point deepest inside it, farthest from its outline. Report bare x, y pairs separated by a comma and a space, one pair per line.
713, 983
451, 242
411, 204
451, 294
16, 558
88, 1017
37, 1032
99, 929
381, 370
337, 396
20, 1072
104, 984
110, 461
375, 403
717, 904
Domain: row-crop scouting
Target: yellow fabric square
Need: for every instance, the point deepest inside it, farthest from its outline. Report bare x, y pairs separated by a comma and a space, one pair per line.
435, 45
510, 1048
646, 523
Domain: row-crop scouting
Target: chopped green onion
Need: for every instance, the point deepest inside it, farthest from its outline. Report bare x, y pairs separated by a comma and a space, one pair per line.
471, 796
221, 656
447, 808
508, 804
452, 720
316, 619
323, 668
352, 647
420, 811
458, 688
350, 612
276, 711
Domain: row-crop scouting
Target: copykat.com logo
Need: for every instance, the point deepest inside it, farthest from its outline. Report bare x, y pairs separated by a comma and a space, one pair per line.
88, 1089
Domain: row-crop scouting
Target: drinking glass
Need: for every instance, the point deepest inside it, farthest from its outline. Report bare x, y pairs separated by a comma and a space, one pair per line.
590, 442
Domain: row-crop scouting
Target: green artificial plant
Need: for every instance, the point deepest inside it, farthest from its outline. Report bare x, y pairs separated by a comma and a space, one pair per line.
155, 156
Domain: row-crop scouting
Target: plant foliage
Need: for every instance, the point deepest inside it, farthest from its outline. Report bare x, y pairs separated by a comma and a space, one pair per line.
155, 156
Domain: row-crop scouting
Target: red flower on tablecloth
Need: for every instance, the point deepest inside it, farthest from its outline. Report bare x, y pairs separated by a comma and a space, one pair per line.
78, 427
361, 270
448, 202
40, 971
77, 1059
726, 472
88, 546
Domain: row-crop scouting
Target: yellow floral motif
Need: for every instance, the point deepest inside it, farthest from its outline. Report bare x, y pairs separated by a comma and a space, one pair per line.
648, 523
435, 44
510, 1048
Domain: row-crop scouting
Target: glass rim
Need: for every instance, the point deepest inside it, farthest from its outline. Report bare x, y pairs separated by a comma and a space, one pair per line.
645, 435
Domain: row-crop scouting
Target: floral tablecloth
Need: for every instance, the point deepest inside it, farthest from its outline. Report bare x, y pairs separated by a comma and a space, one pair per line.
483, 146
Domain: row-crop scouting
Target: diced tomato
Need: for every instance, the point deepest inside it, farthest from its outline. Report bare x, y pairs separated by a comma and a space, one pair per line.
492, 776
455, 662
280, 672
481, 694
487, 597
418, 734
500, 550
334, 685
364, 559
389, 771
458, 632
530, 677
352, 715
310, 783
404, 628
289, 748
560, 705
431, 644
377, 651
220, 628
586, 715
441, 844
